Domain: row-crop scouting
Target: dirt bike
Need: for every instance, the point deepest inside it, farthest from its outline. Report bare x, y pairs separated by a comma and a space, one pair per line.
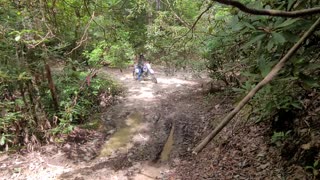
147, 72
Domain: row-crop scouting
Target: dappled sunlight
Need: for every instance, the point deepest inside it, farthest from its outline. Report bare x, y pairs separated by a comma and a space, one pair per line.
143, 92
141, 138
144, 96
149, 172
146, 91
125, 77
175, 81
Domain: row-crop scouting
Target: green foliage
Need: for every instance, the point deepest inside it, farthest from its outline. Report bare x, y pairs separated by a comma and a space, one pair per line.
78, 102
27, 45
115, 55
279, 137
254, 45
168, 43
242, 49
314, 168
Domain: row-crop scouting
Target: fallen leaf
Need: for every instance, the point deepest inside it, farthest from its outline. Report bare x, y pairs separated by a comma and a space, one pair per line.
306, 146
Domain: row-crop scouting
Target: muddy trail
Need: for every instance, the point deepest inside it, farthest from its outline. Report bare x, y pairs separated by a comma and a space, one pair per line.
149, 134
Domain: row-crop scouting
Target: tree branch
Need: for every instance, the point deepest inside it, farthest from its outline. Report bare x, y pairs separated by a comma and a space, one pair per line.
191, 29
89, 13
199, 17
176, 15
84, 36
260, 85
270, 12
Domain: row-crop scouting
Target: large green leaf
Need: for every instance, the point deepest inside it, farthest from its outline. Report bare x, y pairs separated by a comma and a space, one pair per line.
270, 45
278, 38
253, 40
287, 23
264, 66
290, 3
249, 25
290, 37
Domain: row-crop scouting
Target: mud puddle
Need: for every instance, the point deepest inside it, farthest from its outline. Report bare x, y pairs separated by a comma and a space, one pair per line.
120, 140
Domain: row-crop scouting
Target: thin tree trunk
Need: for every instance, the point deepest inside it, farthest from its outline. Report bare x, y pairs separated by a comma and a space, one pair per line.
52, 87
22, 91
32, 101
260, 85
158, 3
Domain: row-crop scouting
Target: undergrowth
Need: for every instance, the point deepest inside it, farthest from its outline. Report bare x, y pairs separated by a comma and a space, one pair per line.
28, 117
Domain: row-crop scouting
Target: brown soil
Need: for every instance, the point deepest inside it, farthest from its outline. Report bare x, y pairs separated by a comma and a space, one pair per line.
132, 142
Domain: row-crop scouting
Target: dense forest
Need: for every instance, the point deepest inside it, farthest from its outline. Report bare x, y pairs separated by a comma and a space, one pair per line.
265, 53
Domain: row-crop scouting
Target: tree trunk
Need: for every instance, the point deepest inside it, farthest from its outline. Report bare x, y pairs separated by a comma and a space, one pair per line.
32, 101
158, 5
52, 88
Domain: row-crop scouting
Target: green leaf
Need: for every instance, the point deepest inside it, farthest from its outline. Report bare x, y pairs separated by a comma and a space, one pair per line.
2, 140
315, 172
308, 81
296, 105
17, 38
210, 29
235, 24
21, 75
278, 38
270, 45
264, 66
249, 25
253, 40
312, 66
290, 3
237, 27
286, 23
309, 167
288, 79
290, 37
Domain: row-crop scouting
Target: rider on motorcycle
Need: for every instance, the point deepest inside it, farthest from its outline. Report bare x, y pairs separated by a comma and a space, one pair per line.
140, 65
142, 68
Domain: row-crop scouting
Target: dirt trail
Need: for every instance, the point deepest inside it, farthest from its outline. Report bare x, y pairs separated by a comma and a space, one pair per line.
143, 143
133, 144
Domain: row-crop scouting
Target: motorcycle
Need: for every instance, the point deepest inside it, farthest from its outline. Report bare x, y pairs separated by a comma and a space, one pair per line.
147, 72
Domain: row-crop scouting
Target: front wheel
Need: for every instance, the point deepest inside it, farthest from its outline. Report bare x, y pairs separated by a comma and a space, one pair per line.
135, 74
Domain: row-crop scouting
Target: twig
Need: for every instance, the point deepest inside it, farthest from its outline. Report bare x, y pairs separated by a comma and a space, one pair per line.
199, 17
45, 23
84, 36
270, 12
260, 85
88, 11
191, 29
176, 15
48, 35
